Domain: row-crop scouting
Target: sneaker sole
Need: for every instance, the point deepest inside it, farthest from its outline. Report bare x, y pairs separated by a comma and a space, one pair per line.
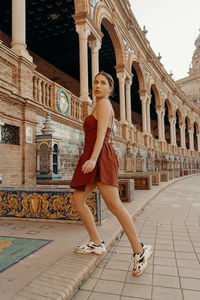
88, 253
138, 274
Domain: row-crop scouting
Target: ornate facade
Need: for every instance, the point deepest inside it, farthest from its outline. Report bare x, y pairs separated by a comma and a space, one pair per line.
191, 84
50, 52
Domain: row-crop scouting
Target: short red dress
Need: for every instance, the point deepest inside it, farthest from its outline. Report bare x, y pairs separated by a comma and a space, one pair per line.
106, 169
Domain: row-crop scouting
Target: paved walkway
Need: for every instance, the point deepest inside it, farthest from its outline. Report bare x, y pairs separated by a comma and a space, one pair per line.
170, 222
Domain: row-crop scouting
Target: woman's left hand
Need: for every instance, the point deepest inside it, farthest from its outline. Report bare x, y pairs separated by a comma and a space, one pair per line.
88, 166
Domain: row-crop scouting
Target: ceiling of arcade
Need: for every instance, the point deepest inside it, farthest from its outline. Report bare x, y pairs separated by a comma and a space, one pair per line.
51, 33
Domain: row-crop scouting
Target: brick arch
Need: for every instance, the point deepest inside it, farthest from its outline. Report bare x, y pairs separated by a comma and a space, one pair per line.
169, 106
180, 116
188, 121
156, 93
140, 74
103, 15
197, 126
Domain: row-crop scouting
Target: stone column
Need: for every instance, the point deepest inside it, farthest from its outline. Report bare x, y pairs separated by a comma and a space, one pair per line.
95, 45
148, 116
172, 130
182, 129
191, 139
121, 78
83, 33
19, 29
144, 114
128, 100
160, 131
198, 141
163, 123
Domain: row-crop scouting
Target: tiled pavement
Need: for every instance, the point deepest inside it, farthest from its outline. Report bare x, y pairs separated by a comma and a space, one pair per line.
170, 222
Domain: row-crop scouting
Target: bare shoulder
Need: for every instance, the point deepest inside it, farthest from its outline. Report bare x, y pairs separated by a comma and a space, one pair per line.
105, 106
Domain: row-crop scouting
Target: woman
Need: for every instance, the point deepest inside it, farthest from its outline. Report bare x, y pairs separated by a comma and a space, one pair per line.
98, 166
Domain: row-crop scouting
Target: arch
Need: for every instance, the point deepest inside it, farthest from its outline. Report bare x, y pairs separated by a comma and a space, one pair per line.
196, 132
187, 137
104, 16
156, 93
169, 106
197, 127
187, 119
168, 113
180, 117
177, 127
140, 75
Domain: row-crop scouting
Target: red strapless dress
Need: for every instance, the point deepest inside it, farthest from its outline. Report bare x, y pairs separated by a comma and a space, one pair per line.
106, 169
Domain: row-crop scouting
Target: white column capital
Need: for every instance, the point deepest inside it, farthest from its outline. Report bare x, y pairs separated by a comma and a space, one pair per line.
83, 31
172, 120
143, 99
95, 45
191, 131
121, 76
128, 81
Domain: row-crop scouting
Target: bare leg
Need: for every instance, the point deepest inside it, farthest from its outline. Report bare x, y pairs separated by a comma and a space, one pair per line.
78, 201
110, 195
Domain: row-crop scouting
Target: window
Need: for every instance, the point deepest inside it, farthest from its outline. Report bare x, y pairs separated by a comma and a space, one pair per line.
55, 159
10, 134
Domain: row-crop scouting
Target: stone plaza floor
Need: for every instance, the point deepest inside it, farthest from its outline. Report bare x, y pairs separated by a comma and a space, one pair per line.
171, 223
168, 217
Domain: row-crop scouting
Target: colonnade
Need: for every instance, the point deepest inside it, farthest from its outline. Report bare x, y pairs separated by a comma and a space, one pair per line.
93, 38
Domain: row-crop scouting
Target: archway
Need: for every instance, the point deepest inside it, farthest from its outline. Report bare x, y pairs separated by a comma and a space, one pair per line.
108, 62
135, 97
167, 124
195, 136
178, 132
153, 113
187, 138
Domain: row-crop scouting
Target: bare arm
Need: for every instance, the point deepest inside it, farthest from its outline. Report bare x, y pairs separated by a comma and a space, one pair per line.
103, 118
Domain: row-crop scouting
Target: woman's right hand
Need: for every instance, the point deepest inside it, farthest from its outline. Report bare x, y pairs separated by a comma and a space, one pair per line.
88, 166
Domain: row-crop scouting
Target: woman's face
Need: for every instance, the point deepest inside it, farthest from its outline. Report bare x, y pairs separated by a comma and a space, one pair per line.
101, 87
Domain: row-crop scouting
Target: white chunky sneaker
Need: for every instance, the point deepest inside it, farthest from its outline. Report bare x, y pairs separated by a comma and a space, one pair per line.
91, 248
140, 260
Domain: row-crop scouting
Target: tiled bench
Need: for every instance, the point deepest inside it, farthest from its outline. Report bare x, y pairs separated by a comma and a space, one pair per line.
48, 203
176, 173
141, 182
126, 190
171, 174
126, 187
155, 176
164, 176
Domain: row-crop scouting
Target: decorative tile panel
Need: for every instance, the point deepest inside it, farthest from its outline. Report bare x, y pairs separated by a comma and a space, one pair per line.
47, 204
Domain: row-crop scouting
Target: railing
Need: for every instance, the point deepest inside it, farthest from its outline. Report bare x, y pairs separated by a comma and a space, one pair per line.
44, 92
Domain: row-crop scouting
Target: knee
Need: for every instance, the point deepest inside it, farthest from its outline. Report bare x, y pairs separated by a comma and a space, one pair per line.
115, 209
74, 201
